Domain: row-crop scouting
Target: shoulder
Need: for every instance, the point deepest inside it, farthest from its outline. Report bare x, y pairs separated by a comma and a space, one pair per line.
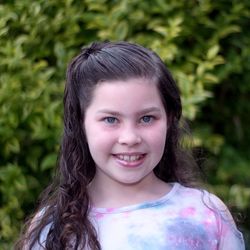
188, 195
200, 195
214, 213
205, 200
221, 210
203, 203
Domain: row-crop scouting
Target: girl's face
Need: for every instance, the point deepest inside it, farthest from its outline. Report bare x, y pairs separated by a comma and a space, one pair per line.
126, 127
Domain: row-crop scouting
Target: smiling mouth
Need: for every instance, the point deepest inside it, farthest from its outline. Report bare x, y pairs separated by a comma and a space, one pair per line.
129, 158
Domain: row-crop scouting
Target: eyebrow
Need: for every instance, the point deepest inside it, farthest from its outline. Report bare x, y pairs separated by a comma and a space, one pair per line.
143, 111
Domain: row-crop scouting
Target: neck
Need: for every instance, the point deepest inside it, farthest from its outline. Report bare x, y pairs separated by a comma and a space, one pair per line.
120, 194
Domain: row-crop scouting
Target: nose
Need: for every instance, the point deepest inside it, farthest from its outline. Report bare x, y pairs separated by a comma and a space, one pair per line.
129, 136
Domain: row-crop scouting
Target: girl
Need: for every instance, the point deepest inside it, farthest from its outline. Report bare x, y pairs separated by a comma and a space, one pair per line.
123, 180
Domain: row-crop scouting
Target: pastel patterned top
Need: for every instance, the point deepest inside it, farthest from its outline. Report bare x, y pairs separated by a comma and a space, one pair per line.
184, 219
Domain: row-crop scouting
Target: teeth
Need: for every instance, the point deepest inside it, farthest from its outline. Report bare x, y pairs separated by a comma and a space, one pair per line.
129, 158
134, 158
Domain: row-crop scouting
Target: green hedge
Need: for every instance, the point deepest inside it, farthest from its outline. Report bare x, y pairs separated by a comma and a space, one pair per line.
206, 44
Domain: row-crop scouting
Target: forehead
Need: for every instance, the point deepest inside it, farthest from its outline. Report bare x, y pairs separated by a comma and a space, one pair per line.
129, 94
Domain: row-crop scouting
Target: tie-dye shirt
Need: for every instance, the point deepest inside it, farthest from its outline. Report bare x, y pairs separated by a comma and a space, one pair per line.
184, 219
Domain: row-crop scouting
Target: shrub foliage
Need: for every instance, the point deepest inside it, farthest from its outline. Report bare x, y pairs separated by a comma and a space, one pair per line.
206, 44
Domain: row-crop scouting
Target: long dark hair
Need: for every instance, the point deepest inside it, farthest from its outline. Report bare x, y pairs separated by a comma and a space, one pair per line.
65, 204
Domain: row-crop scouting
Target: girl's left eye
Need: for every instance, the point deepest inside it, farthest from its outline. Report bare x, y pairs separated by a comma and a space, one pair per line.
147, 119
110, 120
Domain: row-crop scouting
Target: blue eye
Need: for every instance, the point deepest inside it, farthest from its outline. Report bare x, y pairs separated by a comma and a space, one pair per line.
147, 119
110, 120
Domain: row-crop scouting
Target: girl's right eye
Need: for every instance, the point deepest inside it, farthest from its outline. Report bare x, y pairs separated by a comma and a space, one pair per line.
110, 120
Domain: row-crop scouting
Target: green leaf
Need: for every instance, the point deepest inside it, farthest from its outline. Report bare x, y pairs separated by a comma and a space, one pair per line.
49, 162
213, 51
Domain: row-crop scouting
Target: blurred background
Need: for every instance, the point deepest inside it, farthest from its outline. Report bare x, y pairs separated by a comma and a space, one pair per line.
204, 43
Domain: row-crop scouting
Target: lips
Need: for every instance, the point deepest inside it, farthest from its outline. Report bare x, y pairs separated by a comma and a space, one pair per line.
130, 160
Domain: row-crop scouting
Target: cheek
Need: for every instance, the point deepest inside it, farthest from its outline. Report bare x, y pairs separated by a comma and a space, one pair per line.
158, 138
99, 140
